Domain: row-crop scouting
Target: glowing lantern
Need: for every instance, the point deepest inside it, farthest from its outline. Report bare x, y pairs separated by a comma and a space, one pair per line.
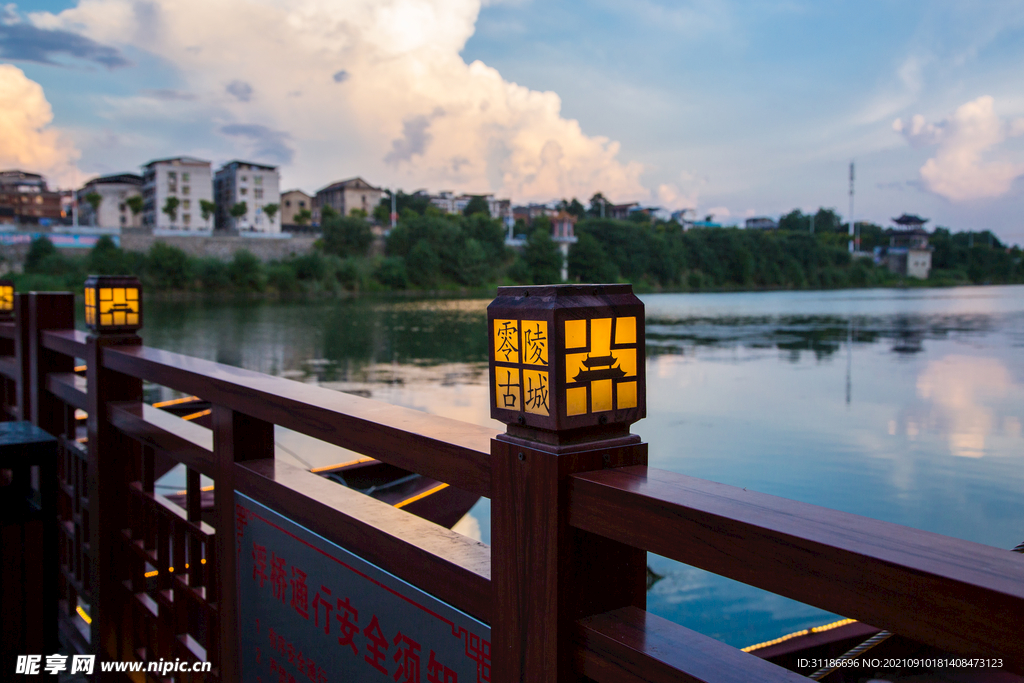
113, 303
6, 299
567, 357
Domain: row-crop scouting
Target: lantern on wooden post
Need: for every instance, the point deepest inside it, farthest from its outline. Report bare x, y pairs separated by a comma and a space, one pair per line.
6, 300
567, 361
567, 378
113, 304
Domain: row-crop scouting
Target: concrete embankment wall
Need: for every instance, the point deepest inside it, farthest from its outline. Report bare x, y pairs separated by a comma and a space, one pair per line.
224, 248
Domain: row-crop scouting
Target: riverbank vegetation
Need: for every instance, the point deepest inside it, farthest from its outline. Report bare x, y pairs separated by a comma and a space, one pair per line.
429, 250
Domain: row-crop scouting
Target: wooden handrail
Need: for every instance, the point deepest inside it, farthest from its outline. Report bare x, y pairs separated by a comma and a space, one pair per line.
452, 567
9, 367
952, 593
629, 645
454, 452
69, 342
69, 387
185, 442
8, 329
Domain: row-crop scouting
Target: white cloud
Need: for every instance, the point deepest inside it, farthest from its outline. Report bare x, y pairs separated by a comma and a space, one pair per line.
682, 194
958, 170
29, 142
408, 110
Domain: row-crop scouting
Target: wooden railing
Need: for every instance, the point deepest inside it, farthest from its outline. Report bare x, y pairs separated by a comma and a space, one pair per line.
563, 583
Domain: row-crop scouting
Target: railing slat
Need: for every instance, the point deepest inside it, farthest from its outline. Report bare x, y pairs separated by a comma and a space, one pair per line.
8, 330
183, 441
629, 645
69, 387
955, 594
446, 564
68, 342
9, 367
450, 451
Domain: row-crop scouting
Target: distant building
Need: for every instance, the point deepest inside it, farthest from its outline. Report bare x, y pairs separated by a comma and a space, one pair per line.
620, 211
184, 178
563, 232
761, 223
255, 185
346, 195
292, 202
449, 202
908, 253
112, 211
26, 200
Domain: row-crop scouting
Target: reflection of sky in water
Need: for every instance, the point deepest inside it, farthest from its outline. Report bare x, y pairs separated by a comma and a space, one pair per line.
745, 389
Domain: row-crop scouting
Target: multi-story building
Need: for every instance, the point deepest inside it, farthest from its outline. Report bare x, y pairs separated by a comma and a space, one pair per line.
908, 252
171, 192
112, 211
25, 199
449, 202
292, 202
255, 185
346, 195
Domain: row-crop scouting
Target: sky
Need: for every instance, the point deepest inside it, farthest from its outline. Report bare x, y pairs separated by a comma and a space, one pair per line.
729, 108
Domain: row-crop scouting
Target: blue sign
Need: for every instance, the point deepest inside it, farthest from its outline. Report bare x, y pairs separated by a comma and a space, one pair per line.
310, 610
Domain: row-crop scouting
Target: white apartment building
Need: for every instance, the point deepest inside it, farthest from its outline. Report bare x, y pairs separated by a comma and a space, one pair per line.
255, 185
113, 211
449, 202
186, 179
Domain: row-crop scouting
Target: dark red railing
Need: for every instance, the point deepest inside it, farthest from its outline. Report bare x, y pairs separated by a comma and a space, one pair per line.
563, 585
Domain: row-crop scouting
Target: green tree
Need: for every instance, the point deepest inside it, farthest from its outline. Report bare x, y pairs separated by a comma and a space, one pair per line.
39, 251
423, 265
303, 216
246, 271
472, 263
238, 210
346, 236
477, 204
167, 267
271, 211
391, 273
543, 257
94, 199
588, 261
327, 212
207, 209
106, 258
597, 205
171, 208
135, 203
358, 213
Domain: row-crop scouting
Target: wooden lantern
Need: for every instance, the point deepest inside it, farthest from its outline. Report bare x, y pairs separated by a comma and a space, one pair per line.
567, 357
113, 304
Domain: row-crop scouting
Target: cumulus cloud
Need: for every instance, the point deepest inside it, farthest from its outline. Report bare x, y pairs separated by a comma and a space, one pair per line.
29, 142
958, 171
25, 42
494, 135
683, 194
268, 145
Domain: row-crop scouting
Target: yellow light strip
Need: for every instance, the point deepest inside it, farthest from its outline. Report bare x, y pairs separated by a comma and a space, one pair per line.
150, 575
81, 612
82, 439
420, 496
205, 488
177, 401
806, 631
340, 465
81, 368
201, 413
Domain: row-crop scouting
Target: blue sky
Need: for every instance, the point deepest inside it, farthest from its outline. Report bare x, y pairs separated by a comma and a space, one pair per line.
731, 108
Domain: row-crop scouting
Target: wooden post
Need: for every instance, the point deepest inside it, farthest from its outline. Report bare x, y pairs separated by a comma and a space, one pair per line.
22, 353
561, 420
236, 438
114, 461
48, 311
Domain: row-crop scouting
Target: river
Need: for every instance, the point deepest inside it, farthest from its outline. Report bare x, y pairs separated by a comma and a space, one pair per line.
901, 405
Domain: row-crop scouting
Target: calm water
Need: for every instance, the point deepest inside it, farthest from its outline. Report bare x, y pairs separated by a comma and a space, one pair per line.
904, 406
